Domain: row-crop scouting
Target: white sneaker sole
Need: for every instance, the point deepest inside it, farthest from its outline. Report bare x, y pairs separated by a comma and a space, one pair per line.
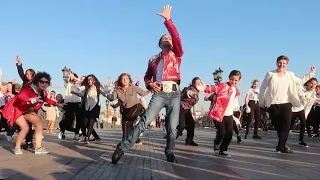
41, 152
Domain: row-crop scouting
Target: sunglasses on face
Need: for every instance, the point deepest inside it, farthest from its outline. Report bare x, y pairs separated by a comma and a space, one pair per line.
44, 82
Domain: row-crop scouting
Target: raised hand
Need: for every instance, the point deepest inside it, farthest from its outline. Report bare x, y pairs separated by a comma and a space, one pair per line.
166, 13
138, 78
14, 81
313, 68
0, 72
18, 60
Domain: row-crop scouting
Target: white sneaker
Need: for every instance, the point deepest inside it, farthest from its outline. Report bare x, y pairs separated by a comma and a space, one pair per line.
60, 135
81, 139
141, 134
9, 138
76, 137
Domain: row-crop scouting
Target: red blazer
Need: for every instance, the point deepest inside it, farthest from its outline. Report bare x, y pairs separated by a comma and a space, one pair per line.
171, 60
20, 103
220, 102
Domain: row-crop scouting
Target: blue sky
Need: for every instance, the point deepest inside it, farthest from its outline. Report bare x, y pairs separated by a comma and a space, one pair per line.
108, 38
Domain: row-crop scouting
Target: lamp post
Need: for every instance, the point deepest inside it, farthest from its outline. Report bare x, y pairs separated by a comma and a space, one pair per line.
217, 75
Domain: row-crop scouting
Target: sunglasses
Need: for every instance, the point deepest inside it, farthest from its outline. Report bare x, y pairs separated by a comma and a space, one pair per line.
44, 82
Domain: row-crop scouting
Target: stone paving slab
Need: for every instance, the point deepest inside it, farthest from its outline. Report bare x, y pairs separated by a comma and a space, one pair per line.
253, 159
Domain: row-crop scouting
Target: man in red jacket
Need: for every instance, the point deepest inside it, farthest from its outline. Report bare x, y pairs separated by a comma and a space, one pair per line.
163, 79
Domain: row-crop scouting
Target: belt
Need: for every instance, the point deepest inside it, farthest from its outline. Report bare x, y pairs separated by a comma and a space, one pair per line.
168, 87
255, 101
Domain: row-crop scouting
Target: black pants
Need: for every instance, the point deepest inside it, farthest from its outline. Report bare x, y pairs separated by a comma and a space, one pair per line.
4, 124
313, 120
302, 117
255, 112
190, 125
225, 131
89, 120
72, 112
280, 115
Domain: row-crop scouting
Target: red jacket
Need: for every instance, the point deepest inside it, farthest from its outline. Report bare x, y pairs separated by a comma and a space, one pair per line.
172, 59
20, 103
223, 92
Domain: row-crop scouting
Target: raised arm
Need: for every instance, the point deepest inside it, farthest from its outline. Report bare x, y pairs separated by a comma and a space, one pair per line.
215, 88
176, 41
113, 96
20, 69
305, 78
140, 91
263, 87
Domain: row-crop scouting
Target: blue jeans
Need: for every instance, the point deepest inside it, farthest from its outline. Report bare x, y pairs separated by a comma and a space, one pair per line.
170, 101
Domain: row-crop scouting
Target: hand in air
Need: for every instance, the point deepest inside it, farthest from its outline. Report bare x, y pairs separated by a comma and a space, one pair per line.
0, 71
313, 68
166, 13
18, 60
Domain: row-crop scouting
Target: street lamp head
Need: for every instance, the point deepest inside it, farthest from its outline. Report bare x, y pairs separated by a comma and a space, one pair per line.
219, 72
215, 75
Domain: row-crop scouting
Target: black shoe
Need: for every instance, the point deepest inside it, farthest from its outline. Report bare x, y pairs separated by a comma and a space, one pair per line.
221, 153
27, 145
171, 158
239, 139
178, 134
116, 156
285, 150
191, 142
255, 136
301, 143
98, 139
63, 136
245, 136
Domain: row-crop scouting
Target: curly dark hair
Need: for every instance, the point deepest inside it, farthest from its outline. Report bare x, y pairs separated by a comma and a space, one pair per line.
118, 83
39, 75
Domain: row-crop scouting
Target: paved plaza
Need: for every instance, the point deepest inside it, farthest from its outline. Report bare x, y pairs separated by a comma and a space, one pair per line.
253, 159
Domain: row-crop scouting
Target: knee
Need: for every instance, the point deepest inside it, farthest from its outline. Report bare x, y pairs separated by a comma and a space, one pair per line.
24, 128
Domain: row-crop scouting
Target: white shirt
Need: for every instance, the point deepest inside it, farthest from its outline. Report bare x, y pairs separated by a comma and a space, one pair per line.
253, 94
92, 98
71, 98
159, 70
281, 88
231, 105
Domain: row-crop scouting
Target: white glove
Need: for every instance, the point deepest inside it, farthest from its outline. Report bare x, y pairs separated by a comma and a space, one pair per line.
190, 93
32, 100
248, 109
35, 100
0, 71
201, 87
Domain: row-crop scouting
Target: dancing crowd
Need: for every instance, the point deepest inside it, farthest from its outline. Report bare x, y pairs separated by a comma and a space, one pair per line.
285, 96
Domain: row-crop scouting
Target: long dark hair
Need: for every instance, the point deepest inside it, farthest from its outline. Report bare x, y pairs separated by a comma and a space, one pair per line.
96, 83
32, 73
254, 81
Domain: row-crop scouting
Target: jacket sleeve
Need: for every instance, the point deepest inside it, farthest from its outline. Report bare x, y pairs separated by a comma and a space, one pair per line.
176, 41
149, 74
215, 88
21, 73
263, 87
304, 79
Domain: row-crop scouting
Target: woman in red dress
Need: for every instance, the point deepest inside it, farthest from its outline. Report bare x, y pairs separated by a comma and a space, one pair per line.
24, 106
